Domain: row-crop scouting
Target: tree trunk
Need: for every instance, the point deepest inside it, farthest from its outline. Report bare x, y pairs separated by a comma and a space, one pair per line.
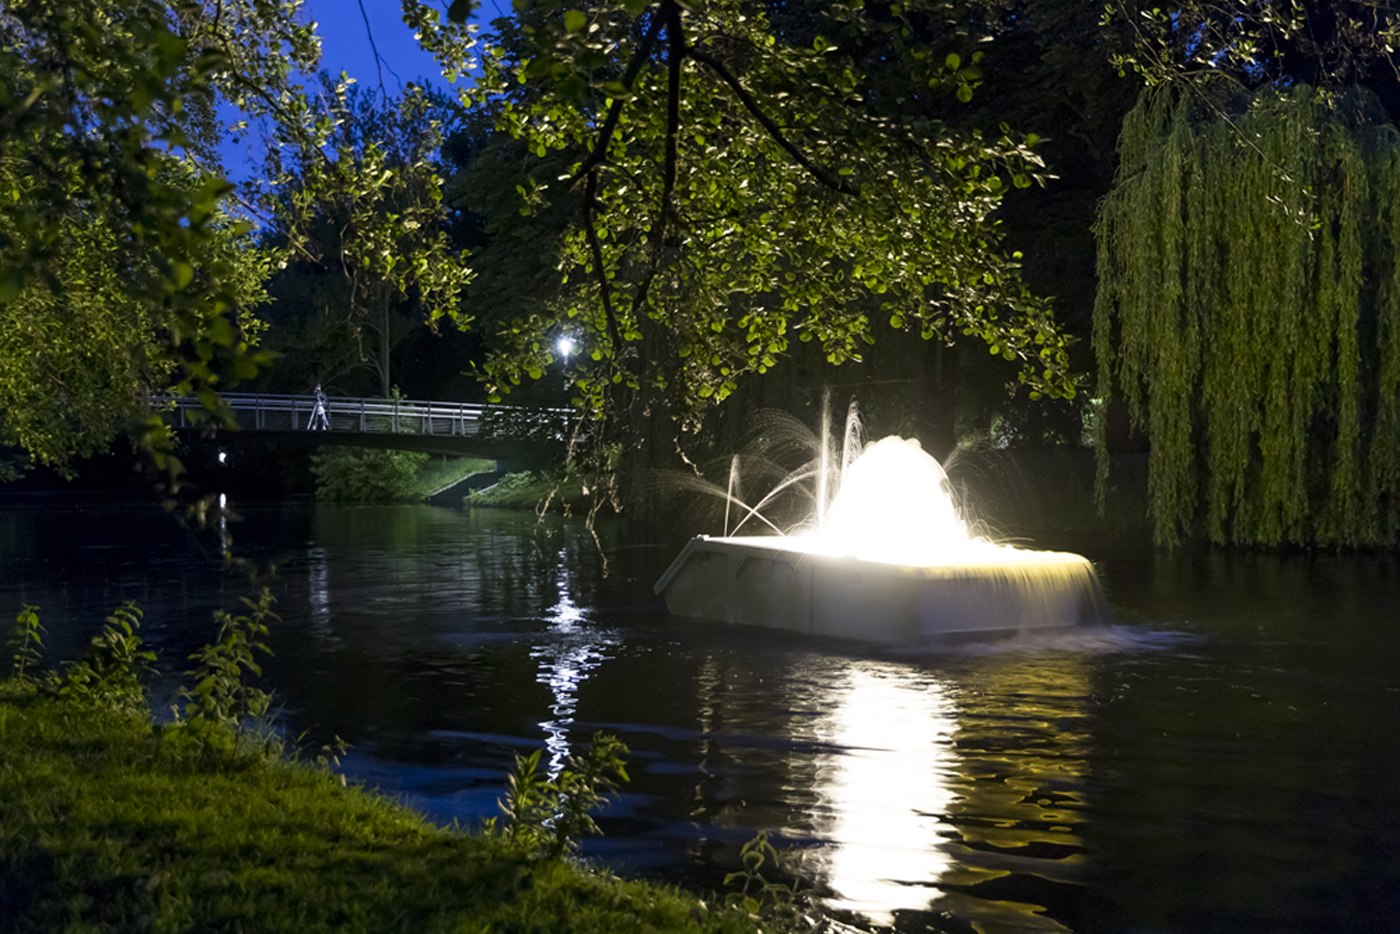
939, 412
384, 341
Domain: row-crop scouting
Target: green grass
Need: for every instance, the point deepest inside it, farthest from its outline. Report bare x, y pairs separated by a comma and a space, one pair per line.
372, 475
443, 471
528, 489
104, 828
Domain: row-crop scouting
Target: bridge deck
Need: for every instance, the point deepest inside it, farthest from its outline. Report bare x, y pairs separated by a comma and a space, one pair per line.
501, 431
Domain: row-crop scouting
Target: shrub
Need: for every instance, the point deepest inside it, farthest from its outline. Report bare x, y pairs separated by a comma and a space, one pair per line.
26, 642
367, 475
223, 714
546, 816
116, 667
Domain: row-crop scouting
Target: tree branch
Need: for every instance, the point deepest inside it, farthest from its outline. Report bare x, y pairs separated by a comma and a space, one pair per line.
656, 238
378, 59
634, 68
590, 190
675, 58
747, 99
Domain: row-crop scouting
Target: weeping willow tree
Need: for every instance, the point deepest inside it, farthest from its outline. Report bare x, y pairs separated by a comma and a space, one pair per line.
1248, 313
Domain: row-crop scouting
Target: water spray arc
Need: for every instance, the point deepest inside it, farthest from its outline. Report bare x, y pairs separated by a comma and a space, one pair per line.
886, 556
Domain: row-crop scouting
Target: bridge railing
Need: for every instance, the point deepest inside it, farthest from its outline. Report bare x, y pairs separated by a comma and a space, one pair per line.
274, 412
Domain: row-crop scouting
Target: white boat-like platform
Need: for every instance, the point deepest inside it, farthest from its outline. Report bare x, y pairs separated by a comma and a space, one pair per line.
776, 583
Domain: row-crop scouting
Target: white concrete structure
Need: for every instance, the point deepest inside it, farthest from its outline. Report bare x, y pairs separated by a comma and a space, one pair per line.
773, 583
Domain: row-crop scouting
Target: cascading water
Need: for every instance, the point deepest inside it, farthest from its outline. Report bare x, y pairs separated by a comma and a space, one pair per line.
894, 505
888, 557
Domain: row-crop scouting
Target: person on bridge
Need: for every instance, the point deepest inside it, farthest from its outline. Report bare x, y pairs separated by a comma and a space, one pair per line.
319, 417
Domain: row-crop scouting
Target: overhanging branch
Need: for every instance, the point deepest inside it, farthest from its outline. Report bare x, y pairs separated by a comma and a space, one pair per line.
590, 192
634, 68
775, 131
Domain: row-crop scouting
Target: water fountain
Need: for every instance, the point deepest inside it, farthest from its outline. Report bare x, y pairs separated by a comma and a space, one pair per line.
891, 559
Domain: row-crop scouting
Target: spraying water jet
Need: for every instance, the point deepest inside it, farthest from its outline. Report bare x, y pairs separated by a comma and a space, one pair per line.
888, 558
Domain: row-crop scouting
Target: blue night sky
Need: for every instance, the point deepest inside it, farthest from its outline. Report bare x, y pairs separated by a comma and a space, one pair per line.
345, 42
345, 46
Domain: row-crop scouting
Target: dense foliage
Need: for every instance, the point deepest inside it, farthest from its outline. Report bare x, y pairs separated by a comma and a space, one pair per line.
1330, 45
367, 475
1249, 314
119, 272
736, 182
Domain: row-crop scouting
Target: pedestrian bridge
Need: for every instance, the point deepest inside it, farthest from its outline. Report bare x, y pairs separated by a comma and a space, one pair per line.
508, 434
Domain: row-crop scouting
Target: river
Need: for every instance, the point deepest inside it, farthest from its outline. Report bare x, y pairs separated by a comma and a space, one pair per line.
1221, 757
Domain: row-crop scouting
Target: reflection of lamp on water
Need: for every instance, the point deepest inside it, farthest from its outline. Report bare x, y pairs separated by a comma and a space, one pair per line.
319, 592
565, 663
224, 540
885, 791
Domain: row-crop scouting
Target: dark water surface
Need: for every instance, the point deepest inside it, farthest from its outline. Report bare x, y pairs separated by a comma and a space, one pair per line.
1223, 757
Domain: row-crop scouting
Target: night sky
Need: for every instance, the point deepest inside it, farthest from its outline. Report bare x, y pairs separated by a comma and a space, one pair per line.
345, 46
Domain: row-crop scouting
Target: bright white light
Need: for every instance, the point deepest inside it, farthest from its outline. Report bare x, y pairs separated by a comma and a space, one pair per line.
223, 457
895, 506
565, 346
886, 792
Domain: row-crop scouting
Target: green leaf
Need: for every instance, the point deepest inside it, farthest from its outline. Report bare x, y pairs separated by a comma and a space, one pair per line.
11, 284
953, 61
181, 273
575, 21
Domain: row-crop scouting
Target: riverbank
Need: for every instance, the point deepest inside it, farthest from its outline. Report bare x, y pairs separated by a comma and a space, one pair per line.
104, 827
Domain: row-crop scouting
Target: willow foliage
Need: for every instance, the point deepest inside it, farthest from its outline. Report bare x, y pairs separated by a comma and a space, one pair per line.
1248, 313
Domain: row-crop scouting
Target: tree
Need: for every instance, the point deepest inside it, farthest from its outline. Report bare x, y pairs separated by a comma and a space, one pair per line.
120, 272
1046, 69
357, 195
1330, 45
1249, 313
80, 355
733, 189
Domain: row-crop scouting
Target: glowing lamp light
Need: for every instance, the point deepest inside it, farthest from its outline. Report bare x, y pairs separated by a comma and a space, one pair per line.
565, 346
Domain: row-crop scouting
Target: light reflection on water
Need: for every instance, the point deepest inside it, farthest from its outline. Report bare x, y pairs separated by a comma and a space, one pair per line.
1221, 759
573, 647
884, 791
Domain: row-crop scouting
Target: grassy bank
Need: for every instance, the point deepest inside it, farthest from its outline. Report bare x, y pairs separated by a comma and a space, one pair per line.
110, 821
530, 489
105, 827
372, 475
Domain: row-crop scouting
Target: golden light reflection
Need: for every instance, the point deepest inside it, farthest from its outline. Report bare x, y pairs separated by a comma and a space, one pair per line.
885, 791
